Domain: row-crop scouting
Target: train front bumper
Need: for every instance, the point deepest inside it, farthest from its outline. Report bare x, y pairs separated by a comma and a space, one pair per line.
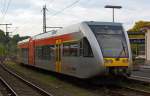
116, 66
116, 62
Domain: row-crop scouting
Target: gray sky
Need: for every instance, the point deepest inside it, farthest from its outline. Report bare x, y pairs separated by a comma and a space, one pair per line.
27, 15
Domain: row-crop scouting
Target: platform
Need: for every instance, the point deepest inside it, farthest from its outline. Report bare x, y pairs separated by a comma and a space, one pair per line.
144, 71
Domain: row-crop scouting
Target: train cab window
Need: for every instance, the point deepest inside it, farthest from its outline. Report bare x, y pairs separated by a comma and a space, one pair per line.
87, 51
70, 49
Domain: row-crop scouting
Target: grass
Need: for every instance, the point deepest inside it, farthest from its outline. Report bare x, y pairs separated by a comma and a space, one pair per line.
50, 81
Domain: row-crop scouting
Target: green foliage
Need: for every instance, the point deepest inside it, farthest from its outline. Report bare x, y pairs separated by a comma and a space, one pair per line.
2, 50
138, 25
2, 37
8, 45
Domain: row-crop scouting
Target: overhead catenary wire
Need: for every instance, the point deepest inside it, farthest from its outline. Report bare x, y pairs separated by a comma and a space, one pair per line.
7, 8
5, 12
69, 6
75, 16
3, 2
50, 2
3, 7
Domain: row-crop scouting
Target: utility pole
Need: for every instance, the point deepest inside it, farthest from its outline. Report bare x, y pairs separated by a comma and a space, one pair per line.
7, 33
15, 28
44, 18
113, 9
7, 36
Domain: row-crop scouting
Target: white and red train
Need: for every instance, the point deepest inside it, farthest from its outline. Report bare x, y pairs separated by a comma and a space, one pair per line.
82, 50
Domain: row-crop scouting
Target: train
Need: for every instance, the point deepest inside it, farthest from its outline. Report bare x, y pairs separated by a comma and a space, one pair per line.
84, 50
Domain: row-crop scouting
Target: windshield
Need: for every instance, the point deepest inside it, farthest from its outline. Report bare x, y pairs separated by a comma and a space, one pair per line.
111, 39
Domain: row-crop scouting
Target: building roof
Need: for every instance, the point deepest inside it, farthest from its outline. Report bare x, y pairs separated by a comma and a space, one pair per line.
144, 29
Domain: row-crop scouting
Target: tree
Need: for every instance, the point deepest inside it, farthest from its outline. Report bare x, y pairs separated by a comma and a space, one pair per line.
8, 45
2, 36
139, 25
13, 43
2, 50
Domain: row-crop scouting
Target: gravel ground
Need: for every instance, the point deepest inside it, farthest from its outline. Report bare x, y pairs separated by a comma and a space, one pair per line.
57, 85
3, 89
66, 86
20, 87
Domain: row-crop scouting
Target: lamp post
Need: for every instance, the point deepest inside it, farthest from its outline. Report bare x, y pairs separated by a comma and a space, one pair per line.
113, 8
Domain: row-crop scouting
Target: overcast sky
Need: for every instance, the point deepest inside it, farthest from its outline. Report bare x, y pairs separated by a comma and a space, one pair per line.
27, 15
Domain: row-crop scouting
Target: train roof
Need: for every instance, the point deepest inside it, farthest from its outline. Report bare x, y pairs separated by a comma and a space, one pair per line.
70, 29
102, 23
24, 41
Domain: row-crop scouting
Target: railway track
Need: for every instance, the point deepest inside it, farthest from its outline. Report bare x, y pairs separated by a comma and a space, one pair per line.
19, 86
109, 91
127, 90
5, 89
123, 88
124, 91
140, 79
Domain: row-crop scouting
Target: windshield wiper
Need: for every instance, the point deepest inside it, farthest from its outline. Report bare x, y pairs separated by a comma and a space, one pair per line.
123, 50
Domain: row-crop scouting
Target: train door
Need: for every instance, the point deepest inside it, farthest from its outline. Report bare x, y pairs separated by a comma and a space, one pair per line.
31, 52
58, 56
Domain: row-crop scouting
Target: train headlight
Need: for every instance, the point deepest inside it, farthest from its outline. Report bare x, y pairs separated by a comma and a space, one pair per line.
108, 61
125, 61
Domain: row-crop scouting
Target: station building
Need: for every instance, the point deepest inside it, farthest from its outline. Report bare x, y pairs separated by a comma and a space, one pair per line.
137, 40
147, 43
140, 44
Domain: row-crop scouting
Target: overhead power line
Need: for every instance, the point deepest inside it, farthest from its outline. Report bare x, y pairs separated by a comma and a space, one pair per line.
75, 16
5, 9
1, 1
69, 6
3, 6
50, 2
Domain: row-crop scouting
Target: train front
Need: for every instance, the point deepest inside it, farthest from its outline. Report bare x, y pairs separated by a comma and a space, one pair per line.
115, 48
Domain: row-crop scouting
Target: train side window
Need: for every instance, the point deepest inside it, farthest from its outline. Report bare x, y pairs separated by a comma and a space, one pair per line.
24, 53
46, 50
66, 49
81, 48
70, 49
87, 51
38, 52
74, 49
52, 50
